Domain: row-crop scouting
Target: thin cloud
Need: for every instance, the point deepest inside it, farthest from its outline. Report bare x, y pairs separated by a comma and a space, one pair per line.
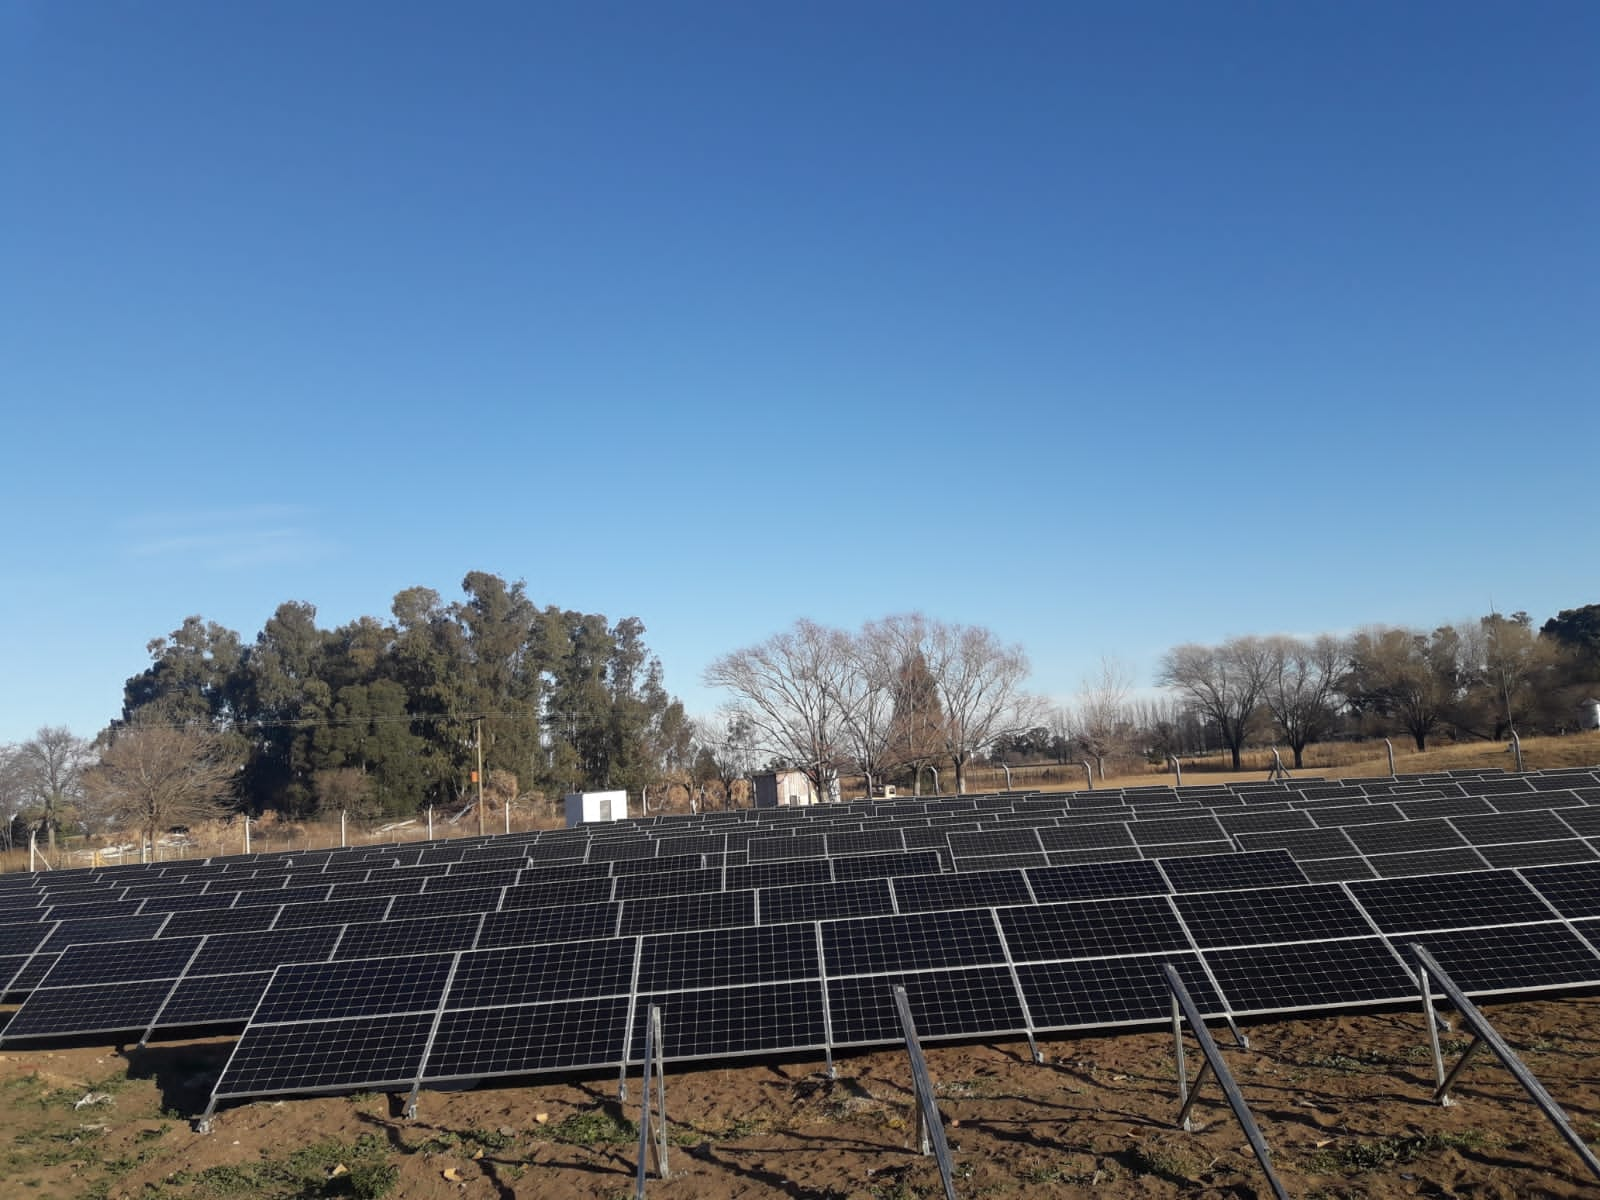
227, 539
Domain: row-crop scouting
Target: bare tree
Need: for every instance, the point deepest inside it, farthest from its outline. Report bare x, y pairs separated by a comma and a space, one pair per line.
787, 688
1406, 678
50, 768
1101, 722
153, 777
1303, 678
979, 682
727, 746
867, 700
1223, 682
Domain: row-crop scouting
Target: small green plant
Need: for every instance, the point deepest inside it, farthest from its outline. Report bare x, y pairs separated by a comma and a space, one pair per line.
1367, 1156
593, 1128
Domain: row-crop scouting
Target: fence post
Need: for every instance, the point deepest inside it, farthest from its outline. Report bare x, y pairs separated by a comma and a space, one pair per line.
1390, 746
1177, 768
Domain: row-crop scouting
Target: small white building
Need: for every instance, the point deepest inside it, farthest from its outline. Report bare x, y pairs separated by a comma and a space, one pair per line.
596, 806
788, 788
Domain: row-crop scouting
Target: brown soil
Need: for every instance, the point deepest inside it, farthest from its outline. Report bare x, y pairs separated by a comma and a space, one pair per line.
1344, 1102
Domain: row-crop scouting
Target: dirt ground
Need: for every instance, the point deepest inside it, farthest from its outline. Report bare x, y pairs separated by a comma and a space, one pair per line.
1344, 1102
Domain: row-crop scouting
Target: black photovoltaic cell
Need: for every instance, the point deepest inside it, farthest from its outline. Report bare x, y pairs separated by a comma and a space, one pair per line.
1290, 914
228, 952
943, 1004
723, 957
618, 849
361, 987
570, 891
1427, 862
1092, 929
779, 874
108, 929
531, 1037
884, 866
866, 841
1483, 960
1354, 814
1331, 870
997, 841
195, 902
1535, 854
218, 920
1301, 843
314, 1056
36, 968
1449, 901
1573, 889
540, 974
1073, 858
1448, 806
1171, 850
825, 901
94, 1008
214, 999
1164, 830
23, 939
1094, 881
771, 849
707, 910
1538, 826
668, 883
654, 866
1082, 836
439, 904
1584, 820
564, 923
97, 909
295, 916
376, 939
1249, 821
1090, 992
119, 962
1310, 975
931, 893
1210, 872
908, 943
1394, 837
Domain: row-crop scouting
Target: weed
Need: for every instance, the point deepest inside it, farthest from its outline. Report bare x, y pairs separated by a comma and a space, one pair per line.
1164, 1162
593, 1128
1365, 1156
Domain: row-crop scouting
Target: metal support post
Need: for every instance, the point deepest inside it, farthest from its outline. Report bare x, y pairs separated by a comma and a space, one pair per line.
1088, 774
935, 771
1516, 747
1007, 769
1181, 1000
653, 1132
930, 1129
1487, 1035
430, 822
1177, 768
1390, 747
343, 841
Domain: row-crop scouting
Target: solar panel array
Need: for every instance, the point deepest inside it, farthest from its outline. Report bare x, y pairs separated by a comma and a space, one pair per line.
763, 931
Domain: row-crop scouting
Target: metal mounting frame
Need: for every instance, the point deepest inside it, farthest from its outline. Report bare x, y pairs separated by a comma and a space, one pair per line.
652, 1125
929, 1126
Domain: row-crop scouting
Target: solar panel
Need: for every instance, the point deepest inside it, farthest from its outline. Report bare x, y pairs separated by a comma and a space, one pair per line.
219, 920
1585, 821
314, 1056
706, 910
439, 904
1529, 956
771, 849
1081, 836
119, 962
373, 939
1091, 881
997, 841
823, 901
1449, 901
1539, 826
1300, 975
1301, 843
1262, 915
570, 891
213, 999
107, 929
633, 887
1392, 837
1091, 992
1167, 830
1262, 868
871, 945
1427, 862
952, 1003
537, 974
1092, 929
1534, 854
1331, 870
355, 988
93, 1008
725, 957
1574, 890
476, 1043
229, 952
562, 923
929, 893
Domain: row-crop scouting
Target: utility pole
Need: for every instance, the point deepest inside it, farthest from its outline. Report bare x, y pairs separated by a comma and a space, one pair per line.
477, 726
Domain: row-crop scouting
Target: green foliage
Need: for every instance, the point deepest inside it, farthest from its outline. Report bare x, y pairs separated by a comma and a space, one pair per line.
379, 717
1367, 1156
596, 1127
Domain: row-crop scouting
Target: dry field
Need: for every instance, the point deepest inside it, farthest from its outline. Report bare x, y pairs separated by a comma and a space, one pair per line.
1344, 1103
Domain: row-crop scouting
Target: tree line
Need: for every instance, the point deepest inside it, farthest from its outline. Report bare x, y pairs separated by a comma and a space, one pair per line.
375, 717
1479, 680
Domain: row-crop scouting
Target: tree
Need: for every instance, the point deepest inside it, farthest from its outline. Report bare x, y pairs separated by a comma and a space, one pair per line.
49, 776
1101, 722
1303, 678
154, 776
727, 748
1405, 678
1577, 630
979, 681
866, 699
1224, 683
786, 690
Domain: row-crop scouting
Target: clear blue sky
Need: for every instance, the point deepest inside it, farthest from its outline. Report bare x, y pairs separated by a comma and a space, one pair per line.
1110, 326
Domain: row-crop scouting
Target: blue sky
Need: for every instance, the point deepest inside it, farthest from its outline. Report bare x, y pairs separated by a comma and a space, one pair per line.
1109, 326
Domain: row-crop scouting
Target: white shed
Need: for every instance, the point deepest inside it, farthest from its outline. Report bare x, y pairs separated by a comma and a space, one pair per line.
596, 806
